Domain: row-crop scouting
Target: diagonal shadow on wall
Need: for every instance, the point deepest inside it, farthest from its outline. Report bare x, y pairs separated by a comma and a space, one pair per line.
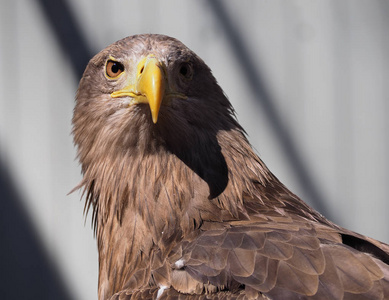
68, 33
26, 271
256, 83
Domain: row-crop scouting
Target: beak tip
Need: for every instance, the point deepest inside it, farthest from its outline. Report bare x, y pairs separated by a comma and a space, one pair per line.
155, 118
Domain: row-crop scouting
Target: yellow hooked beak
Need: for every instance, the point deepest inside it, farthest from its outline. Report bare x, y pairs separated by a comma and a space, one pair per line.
149, 85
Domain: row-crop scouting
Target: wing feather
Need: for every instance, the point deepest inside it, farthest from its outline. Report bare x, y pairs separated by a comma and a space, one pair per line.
279, 262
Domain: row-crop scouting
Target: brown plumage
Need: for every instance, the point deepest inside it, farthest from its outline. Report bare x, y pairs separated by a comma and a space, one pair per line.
182, 206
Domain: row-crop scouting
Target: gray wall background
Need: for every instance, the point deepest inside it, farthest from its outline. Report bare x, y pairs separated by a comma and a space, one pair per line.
309, 81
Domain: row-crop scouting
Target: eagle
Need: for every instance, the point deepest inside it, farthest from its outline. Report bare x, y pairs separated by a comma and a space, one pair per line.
182, 206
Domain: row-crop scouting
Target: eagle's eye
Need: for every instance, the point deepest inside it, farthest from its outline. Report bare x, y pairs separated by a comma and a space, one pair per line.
186, 70
113, 69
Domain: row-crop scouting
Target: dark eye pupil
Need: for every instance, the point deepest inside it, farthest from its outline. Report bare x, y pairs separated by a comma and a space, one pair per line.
184, 70
115, 68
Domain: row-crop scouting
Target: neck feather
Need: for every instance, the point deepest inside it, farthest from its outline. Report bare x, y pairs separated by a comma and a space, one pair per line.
143, 202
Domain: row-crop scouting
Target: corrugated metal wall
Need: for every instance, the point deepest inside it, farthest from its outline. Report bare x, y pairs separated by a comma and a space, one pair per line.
309, 81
